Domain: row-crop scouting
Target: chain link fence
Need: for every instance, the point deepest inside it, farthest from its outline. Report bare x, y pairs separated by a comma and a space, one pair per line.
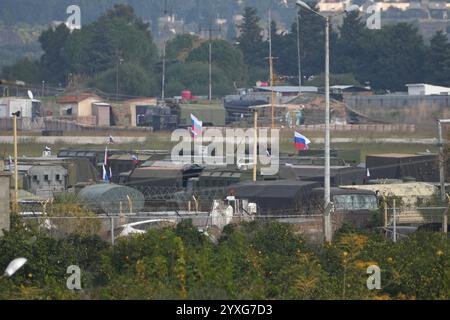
170, 204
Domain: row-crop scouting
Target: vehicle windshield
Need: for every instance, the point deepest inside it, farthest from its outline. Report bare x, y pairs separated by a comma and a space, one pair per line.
355, 202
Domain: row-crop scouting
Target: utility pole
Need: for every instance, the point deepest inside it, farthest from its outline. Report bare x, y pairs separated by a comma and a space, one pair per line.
163, 94
119, 62
255, 144
16, 169
327, 196
210, 31
210, 67
271, 75
441, 157
395, 221
327, 112
299, 55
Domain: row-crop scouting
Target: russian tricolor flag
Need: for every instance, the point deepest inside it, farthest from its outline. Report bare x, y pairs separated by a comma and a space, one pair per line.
301, 142
135, 160
197, 126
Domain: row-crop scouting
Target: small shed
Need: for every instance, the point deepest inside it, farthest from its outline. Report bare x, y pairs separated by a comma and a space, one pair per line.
79, 107
110, 198
135, 110
102, 112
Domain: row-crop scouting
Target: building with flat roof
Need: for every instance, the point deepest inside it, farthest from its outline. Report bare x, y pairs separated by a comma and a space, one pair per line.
423, 89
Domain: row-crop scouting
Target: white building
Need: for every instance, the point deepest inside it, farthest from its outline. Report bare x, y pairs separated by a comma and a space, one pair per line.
423, 89
28, 108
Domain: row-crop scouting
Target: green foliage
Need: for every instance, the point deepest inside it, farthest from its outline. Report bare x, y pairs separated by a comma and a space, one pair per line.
225, 56
250, 40
25, 70
94, 51
437, 66
133, 81
387, 59
257, 260
180, 47
349, 49
195, 77
335, 79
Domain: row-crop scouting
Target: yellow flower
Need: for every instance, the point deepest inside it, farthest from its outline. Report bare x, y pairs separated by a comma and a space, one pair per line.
345, 253
440, 253
390, 259
30, 275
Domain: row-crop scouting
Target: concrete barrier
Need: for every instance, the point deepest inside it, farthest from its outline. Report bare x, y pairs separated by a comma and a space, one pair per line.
5, 220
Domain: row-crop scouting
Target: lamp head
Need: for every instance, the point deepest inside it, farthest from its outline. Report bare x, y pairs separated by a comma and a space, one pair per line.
351, 8
15, 265
303, 4
17, 114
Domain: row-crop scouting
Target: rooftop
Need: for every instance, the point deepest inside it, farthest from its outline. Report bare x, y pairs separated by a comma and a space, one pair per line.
288, 89
76, 98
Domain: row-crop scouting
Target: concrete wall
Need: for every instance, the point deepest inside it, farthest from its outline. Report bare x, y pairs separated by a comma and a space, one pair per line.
38, 184
85, 107
360, 127
23, 124
4, 202
423, 110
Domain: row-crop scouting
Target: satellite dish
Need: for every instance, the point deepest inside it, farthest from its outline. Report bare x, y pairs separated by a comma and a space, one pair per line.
30, 95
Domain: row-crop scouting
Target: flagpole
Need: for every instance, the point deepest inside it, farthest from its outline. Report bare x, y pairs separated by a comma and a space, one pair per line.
255, 145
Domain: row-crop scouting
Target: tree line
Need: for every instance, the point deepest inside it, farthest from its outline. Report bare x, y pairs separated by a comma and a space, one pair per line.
258, 260
120, 45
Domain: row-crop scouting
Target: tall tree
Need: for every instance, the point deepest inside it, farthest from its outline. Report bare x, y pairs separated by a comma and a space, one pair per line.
437, 65
349, 51
224, 55
53, 60
312, 44
394, 56
251, 40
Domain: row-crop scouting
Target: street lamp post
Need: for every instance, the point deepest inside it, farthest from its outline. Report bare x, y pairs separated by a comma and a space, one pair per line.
163, 84
119, 62
255, 144
15, 115
327, 184
299, 55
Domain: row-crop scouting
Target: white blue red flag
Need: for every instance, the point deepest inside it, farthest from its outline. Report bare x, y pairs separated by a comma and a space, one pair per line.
105, 174
105, 161
301, 142
135, 160
197, 126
